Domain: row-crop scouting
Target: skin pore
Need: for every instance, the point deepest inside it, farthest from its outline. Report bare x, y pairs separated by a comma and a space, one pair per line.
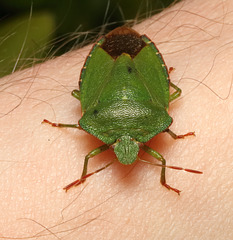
124, 202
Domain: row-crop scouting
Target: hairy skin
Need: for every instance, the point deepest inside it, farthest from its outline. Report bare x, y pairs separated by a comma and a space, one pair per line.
124, 202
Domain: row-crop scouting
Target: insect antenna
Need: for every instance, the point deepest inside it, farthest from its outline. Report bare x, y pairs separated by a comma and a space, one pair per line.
172, 167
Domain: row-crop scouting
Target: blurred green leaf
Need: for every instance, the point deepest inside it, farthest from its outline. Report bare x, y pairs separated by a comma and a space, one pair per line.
23, 40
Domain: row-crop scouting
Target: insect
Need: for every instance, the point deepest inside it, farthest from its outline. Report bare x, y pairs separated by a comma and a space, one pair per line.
124, 93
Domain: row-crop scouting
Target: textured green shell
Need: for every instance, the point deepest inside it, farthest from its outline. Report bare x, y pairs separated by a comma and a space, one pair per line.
124, 88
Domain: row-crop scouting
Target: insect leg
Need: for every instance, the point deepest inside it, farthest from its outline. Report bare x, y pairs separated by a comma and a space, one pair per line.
176, 94
84, 175
76, 93
173, 135
159, 157
61, 125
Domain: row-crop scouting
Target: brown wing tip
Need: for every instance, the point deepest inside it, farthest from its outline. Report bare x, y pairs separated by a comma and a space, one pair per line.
123, 31
123, 40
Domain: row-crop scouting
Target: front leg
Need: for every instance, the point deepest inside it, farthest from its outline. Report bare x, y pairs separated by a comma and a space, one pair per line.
159, 157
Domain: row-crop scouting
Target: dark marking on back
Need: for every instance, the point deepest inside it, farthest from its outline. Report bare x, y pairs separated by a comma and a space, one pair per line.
95, 112
123, 40
129, 69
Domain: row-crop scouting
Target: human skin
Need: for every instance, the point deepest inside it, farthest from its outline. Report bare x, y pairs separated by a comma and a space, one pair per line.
124, 202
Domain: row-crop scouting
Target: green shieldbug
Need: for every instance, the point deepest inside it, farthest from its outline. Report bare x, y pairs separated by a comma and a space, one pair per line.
124, 93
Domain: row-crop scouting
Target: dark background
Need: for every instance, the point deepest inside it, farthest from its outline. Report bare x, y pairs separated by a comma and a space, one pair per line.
32, 31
